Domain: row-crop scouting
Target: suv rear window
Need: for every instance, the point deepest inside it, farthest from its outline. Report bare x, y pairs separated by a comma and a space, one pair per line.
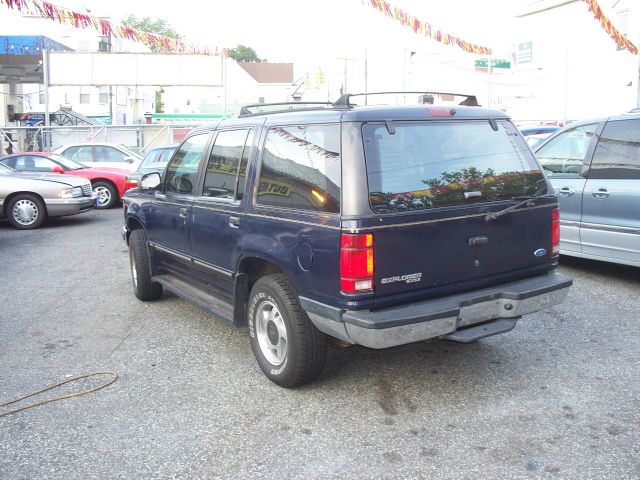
437, 164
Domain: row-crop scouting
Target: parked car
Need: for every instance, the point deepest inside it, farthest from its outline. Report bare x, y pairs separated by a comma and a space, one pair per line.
378, 226
154, 161
535, 134
101, 155
26, 200
594, 167
107, 183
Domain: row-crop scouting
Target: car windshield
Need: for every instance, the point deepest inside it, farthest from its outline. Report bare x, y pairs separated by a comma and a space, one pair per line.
67, 163
5, 170
417, 166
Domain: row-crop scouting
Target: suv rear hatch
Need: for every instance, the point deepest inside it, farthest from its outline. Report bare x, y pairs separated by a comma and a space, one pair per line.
432, 185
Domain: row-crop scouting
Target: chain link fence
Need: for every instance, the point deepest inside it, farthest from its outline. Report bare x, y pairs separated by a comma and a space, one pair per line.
138, 138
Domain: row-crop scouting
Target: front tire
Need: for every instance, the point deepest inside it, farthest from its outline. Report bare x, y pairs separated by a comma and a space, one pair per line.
107, 195
290, 350
26, 211
143, 287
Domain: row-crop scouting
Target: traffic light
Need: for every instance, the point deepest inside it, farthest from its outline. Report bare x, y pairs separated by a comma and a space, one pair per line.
319, 78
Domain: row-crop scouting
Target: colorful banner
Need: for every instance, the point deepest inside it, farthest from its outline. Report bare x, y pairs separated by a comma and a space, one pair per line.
609, 28
421, 27
104, 27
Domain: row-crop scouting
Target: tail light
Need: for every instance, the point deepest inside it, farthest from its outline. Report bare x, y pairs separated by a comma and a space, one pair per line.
130, 183
555, 232
356, 262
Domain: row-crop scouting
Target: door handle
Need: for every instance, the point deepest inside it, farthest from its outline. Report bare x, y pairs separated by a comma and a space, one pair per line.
234, 222
183, 212
566, 191
600, 192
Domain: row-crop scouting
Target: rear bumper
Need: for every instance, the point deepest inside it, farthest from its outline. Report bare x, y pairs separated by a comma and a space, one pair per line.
462, 317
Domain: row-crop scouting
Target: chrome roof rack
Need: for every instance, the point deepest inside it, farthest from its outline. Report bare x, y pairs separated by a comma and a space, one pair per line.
267, 108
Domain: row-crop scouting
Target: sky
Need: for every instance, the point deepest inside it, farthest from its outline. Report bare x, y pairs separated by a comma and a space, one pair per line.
294, 31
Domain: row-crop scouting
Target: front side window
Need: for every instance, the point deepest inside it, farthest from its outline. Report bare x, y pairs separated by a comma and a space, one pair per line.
301, 168
183, 169
617, 154
564, 155
417, 166
222, 167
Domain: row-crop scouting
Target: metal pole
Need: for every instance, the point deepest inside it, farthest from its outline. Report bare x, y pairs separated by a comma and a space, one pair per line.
566, 86
224, 85
366, 75
45, 74
638, 99
489, 82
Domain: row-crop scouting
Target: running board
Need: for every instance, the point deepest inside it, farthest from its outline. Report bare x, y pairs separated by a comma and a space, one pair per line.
471, 334
202, 299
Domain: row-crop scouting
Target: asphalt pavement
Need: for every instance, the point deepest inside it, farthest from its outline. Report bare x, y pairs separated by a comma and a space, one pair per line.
557, 397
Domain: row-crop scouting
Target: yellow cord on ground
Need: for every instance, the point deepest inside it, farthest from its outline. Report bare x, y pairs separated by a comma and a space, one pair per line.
114, 377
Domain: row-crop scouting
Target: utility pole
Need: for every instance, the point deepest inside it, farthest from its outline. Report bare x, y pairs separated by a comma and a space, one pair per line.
638, 81
366, 76
45, 75
344, 71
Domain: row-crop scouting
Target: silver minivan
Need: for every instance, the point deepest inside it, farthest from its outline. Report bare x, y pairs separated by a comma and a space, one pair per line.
594, 167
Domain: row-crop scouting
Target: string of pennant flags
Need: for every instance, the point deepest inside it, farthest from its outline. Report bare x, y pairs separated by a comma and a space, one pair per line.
608, 27
424, 28
105, 27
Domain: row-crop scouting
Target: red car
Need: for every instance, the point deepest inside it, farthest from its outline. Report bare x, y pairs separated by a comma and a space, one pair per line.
107, 183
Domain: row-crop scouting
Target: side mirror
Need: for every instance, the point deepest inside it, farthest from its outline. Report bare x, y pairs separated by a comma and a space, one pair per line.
57, 169
150, 181
129, 160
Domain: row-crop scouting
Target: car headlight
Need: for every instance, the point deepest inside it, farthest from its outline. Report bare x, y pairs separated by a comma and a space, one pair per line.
71, 192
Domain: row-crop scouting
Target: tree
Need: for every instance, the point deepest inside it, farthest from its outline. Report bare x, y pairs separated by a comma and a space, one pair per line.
242, 53
157, 26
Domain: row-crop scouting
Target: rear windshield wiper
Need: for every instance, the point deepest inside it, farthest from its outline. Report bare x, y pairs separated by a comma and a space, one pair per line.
529, 202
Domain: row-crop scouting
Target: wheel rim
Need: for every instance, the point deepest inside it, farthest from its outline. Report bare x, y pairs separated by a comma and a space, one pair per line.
271, 333
25, 212
104, 195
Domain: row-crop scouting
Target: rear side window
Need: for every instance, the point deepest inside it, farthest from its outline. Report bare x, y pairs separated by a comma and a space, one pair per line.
301, 168
437, 164
109, 154
617, 154
224, 161
33, 163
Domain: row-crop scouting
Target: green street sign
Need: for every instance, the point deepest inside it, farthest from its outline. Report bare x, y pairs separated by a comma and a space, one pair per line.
495, 63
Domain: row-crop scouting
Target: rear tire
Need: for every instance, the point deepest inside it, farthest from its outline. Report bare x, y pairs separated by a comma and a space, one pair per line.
107, 195
143, 287
26, 211
290, 350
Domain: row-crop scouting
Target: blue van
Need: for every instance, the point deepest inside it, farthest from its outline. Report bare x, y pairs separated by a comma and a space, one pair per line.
594, 167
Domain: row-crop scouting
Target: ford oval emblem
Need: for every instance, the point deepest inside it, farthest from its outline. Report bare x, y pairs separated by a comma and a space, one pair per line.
541, 252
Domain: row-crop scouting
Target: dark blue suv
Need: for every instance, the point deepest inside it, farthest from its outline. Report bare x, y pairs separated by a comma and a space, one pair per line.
377, 226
